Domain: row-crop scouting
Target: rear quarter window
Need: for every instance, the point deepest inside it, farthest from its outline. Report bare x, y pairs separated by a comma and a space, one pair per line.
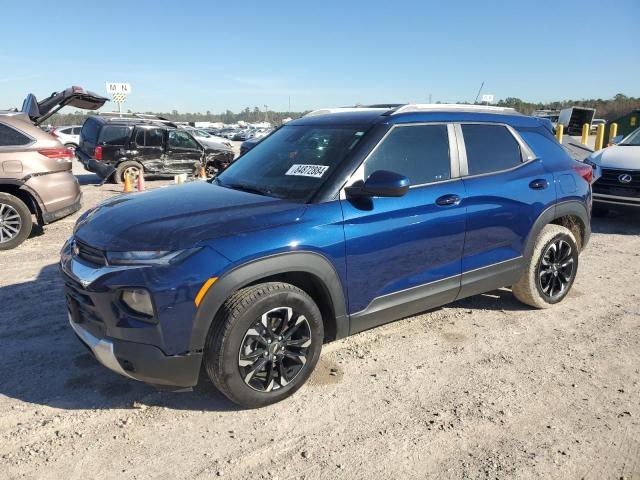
115, 135
10, 137
490, 148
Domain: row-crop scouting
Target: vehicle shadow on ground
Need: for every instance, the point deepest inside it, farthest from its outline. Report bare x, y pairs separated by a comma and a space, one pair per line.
43, 362
502, 300
618, 222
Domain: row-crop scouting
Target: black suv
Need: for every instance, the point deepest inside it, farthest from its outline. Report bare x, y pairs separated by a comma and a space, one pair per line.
114, 147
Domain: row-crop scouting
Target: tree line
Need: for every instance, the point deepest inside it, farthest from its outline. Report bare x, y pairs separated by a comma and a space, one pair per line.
609, 109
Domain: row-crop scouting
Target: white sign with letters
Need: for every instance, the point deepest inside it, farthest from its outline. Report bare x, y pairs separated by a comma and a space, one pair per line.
487, 97
118, 88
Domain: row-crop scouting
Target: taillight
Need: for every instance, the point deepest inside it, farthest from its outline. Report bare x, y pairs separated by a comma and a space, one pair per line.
584, 170
97, 153
57, 153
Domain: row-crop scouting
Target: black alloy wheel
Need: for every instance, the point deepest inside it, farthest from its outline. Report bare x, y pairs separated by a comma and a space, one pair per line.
274, 349
556, 269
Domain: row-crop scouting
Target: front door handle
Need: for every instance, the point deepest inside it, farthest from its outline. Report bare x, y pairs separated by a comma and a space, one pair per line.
448, 200
539, 184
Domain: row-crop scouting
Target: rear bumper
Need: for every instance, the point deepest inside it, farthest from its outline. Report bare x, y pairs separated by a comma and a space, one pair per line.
145, 363
102, 169
58, 192
49, 217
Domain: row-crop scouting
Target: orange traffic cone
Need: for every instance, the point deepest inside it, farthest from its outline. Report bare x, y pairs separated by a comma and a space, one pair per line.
127, 184
203, 173
141, 184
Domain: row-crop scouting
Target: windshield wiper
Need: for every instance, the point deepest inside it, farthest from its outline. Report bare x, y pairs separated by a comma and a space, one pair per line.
246, 188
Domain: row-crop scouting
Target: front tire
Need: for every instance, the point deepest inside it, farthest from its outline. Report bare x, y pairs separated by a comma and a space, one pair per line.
551, 269
15, 221
264, 343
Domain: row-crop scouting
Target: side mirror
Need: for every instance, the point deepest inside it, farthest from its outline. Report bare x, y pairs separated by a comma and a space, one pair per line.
380, 183
617, 139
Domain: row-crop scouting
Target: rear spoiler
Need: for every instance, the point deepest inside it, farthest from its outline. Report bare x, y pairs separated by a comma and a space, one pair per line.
74, 96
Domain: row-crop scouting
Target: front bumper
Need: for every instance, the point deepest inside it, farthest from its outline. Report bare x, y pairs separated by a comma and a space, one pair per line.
145, 363
613, 200
154, 353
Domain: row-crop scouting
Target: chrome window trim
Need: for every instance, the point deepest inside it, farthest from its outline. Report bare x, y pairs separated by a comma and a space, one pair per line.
526, 154
13, 147
454, 162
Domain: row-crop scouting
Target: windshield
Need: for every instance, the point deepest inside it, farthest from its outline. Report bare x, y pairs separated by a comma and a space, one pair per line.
632, 139
293, 162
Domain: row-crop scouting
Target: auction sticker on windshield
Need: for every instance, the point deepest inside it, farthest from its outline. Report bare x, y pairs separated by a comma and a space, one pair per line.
315, 171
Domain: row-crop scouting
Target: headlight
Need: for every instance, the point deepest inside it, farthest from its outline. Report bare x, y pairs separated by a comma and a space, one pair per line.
138, 300
149, 257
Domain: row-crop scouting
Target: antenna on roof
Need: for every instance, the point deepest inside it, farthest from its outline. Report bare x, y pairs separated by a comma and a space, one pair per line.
481, 85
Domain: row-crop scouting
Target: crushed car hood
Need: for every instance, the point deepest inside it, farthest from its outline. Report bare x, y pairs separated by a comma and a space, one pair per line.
622, 157
180, 216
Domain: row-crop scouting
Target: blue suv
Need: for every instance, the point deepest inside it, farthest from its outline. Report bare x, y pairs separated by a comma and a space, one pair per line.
337, 222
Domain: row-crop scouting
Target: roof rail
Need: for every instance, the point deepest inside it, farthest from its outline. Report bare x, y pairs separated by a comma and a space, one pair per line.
452, 107
326, 111
136, 116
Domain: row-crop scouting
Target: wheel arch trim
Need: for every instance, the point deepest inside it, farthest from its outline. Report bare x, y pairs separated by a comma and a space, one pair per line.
558, 210
302, 261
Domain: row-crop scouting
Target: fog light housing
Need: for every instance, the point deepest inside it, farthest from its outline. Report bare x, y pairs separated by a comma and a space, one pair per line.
138, 300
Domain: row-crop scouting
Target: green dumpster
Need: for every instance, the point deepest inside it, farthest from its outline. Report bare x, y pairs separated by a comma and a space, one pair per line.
626, 124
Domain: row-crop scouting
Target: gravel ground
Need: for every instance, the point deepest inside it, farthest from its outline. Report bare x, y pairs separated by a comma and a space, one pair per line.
483, 388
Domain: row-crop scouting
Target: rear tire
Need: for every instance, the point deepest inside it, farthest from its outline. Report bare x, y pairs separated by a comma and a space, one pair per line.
131, 167
551, 269
15, 221
263, 344
71, 146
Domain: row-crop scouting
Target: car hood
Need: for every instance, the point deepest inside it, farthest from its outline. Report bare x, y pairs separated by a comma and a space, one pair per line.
211, 145
180, 216
622, 157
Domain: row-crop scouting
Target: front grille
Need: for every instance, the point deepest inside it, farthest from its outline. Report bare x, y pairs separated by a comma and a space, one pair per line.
609, 183
81, 306
90, 254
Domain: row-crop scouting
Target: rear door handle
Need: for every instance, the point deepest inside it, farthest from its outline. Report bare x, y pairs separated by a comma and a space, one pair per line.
539, 184
447, 200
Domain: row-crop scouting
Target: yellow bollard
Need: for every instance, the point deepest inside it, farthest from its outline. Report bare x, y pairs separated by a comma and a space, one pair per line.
559, 132
585, 133
599, 137
613, 132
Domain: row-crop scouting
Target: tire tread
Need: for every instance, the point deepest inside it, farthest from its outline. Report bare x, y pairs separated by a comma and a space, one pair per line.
526, 289
230, 312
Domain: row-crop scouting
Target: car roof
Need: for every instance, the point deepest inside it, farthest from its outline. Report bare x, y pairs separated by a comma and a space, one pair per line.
415, 113
131, 121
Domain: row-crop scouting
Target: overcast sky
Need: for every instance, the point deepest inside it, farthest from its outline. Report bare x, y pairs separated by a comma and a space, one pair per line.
199, 56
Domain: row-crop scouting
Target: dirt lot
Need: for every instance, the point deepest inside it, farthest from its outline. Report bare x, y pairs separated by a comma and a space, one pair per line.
484, 388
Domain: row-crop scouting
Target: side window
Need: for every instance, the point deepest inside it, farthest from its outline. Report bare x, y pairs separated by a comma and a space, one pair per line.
10, 137
76, 130
114, 135
66, 131
154, 137
140, 137
490, 148
178, 139
419, 152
